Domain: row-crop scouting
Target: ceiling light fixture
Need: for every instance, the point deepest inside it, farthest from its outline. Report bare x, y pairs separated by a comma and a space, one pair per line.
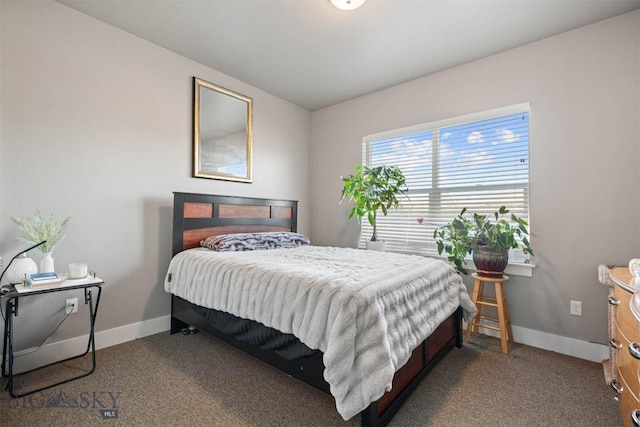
347, 4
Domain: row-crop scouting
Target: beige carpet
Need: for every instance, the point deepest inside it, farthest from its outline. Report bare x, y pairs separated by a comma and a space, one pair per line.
196, 380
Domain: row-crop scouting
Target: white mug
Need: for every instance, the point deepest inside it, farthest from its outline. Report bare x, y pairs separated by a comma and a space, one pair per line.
78, 270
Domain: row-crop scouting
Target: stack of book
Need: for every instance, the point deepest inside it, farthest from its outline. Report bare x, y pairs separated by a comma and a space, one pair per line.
39, 280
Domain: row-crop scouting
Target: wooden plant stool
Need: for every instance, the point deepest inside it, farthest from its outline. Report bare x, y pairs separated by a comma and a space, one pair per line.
499, 302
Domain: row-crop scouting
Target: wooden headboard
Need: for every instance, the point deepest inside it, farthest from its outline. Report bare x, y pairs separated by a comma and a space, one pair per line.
198, 216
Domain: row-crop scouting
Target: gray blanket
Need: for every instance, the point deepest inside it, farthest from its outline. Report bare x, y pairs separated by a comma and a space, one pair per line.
365, 310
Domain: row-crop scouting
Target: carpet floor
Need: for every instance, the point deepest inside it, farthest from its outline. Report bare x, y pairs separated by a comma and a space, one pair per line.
197, 380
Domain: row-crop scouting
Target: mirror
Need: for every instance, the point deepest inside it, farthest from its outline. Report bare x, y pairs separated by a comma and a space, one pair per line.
221, 133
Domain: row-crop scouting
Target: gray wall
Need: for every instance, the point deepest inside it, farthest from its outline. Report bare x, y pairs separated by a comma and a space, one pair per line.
96, 124
584, 91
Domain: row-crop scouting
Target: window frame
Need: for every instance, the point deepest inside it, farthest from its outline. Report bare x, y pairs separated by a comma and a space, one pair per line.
516, 267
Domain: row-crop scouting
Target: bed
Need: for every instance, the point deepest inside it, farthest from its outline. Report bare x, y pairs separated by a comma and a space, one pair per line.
299, 350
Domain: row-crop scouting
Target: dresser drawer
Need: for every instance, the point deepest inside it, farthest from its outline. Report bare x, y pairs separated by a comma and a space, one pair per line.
627, 364
625, 320
627, 403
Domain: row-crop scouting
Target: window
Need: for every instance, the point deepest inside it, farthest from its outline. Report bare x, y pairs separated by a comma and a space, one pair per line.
480, 162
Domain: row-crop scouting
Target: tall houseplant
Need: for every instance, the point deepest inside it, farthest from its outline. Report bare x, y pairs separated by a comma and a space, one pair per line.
373, 190
487, 238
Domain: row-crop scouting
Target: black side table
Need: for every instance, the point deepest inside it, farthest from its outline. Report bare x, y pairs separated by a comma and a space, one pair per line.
13, 297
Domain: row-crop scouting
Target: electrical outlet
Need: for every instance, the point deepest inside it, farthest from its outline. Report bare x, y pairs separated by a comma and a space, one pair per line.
575, 308
71, 306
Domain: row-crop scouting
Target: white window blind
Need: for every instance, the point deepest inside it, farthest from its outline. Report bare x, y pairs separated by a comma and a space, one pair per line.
480, 162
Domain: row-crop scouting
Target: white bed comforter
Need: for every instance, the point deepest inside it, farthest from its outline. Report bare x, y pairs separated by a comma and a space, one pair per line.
365, 310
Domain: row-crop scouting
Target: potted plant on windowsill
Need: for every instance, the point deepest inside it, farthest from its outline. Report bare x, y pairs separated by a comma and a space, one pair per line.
487, 238
372, 190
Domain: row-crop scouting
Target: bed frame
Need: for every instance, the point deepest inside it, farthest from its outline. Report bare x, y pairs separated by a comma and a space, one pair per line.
197, 216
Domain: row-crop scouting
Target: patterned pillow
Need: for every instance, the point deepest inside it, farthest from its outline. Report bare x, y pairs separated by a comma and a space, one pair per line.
254, 241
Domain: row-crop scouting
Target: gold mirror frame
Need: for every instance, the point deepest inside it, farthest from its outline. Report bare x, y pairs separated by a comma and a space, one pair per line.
222, 133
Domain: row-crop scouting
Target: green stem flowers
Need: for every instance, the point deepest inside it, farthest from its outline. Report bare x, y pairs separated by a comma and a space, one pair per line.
37, 228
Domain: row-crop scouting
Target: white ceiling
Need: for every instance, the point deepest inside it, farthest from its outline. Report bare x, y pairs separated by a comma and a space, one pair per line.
314, 55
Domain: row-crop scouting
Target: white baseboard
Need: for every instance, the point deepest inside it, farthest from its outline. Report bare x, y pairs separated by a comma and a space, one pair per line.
593, 352
29, 359
131, 332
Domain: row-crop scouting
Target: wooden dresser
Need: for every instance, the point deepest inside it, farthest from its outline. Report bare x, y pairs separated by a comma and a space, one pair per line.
625, 350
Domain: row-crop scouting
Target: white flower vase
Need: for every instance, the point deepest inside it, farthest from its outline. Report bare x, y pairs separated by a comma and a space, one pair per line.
21, 267
46, 263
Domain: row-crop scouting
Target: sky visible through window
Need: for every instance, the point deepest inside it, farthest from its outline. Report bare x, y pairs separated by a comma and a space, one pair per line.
480, 165
488, 152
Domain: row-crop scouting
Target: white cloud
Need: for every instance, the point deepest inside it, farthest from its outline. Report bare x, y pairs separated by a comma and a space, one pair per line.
475, 137
445, 150
506, 135
476, 159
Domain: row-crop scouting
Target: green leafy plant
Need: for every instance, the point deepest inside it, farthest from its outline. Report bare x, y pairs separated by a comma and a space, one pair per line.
37, 228
463, 235
372, 190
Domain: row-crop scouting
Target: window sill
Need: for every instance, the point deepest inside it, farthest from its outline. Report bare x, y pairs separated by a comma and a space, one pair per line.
520, 269
513, 268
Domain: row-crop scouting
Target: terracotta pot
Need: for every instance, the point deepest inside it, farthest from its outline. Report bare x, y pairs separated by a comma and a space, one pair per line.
489, 262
